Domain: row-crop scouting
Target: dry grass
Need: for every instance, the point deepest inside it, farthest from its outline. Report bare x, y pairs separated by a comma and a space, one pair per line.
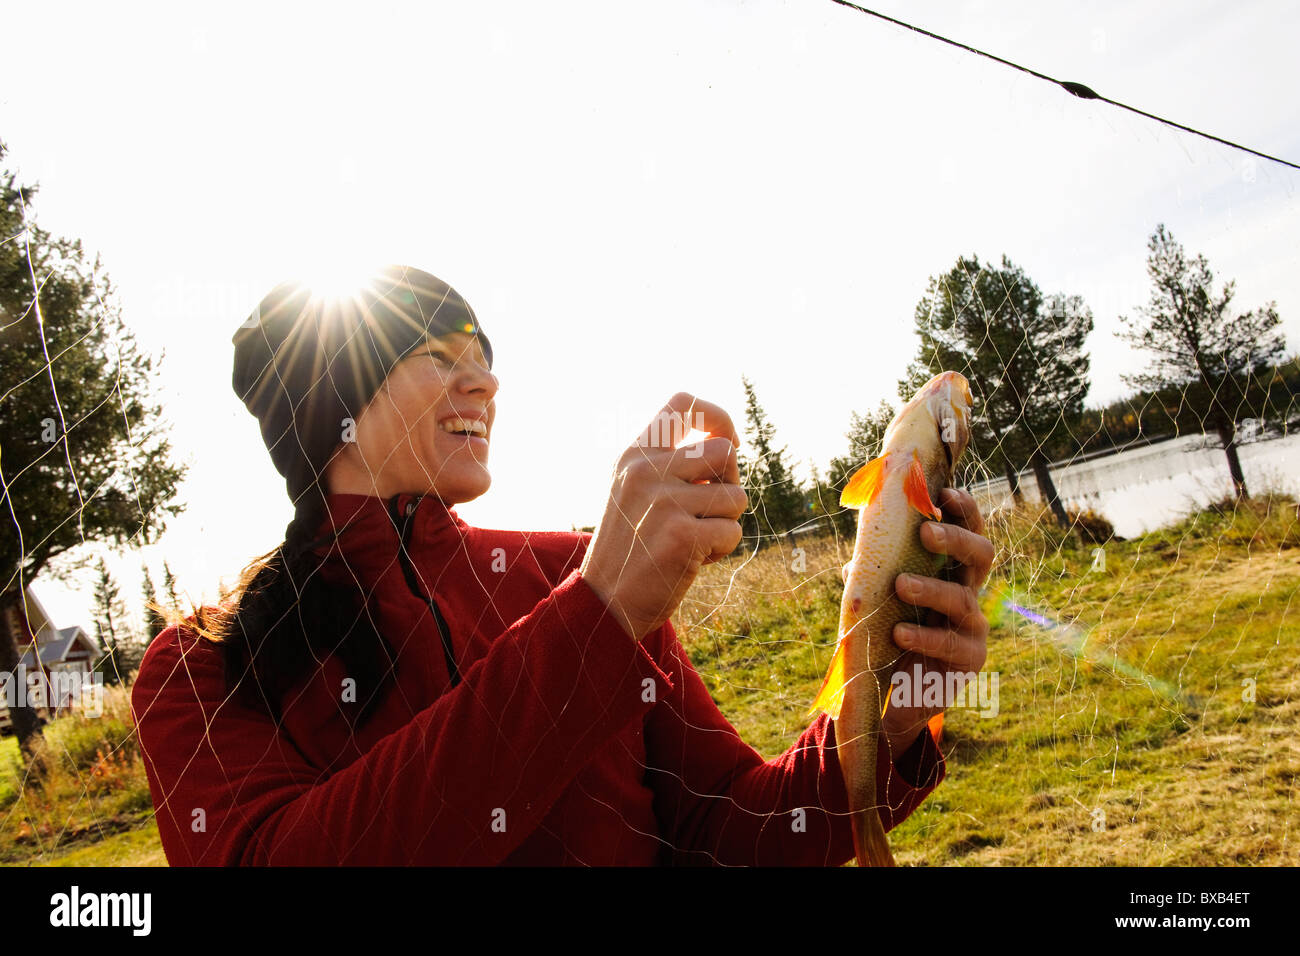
84, 784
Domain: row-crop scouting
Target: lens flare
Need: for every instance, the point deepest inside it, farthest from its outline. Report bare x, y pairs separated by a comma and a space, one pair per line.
337, 280
1073, 640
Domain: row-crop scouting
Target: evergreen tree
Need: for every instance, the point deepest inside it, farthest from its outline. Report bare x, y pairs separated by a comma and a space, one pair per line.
154, 623
822, 501
1197, 346
751, 480
776, 499
1023, 356
85, 457
169, 585
111, 626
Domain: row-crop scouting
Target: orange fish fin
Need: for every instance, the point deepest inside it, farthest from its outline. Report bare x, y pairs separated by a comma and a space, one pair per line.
831, 695
935, 724
918, 495
864, 485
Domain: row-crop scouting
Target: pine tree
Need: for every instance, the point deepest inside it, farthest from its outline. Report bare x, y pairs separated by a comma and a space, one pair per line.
110, 625
85, 454
1197, 346
777, 500
751, 480
169, 585
822, 500
1025, 360
154, 623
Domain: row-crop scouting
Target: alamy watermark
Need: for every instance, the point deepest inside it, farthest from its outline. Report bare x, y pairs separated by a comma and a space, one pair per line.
668, 430
920, 688
79, 908
82, 690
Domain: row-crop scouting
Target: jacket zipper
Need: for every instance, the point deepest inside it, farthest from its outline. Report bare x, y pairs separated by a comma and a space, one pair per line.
407, 525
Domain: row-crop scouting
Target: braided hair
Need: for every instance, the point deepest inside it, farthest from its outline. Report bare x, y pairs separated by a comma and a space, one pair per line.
282, 619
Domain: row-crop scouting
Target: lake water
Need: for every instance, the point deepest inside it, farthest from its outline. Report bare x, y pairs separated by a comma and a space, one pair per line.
1143, 488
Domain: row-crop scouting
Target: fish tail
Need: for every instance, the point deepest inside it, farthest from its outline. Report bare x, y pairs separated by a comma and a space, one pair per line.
869, 840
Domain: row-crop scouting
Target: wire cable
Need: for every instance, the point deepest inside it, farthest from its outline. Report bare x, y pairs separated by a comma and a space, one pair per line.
1077, 89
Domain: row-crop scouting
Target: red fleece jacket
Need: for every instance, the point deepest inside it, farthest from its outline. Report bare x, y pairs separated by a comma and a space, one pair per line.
563, 741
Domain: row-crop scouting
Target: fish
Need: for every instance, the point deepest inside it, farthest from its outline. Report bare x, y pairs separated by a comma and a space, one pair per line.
895, 494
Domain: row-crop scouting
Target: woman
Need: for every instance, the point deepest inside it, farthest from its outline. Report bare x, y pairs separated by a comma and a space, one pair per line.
394, 686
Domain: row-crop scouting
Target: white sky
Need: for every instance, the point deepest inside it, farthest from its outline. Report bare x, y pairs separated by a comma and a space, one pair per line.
636, 198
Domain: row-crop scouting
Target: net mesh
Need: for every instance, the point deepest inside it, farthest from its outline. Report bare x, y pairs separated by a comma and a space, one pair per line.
1139, 701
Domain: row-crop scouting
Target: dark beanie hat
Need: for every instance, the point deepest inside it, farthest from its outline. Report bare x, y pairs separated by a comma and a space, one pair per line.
305, 363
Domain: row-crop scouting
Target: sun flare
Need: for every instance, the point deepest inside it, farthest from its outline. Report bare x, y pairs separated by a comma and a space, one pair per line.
336, 279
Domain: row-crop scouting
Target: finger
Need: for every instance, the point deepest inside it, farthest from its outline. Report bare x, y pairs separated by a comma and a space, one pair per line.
714, 500
713, 459
955, 601
956, 650
683, 413
961, 508
973, 550
718, 537
709, 418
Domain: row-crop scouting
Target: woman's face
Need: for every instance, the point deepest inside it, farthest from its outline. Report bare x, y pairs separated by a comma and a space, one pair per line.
410, 437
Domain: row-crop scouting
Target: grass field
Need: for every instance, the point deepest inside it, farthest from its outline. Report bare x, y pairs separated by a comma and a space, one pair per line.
1125, 733
1148, 703
84, 799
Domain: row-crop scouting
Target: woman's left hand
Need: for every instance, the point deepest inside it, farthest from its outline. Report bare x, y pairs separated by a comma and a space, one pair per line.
954, 637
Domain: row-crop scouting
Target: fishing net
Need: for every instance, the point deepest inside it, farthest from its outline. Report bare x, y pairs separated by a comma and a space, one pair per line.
1136, 475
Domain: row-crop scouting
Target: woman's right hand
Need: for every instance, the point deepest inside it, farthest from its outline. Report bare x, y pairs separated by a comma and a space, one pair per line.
670, 512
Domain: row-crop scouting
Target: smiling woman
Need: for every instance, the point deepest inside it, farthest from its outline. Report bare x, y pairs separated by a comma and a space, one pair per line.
427, 429
392, 685
340, 385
